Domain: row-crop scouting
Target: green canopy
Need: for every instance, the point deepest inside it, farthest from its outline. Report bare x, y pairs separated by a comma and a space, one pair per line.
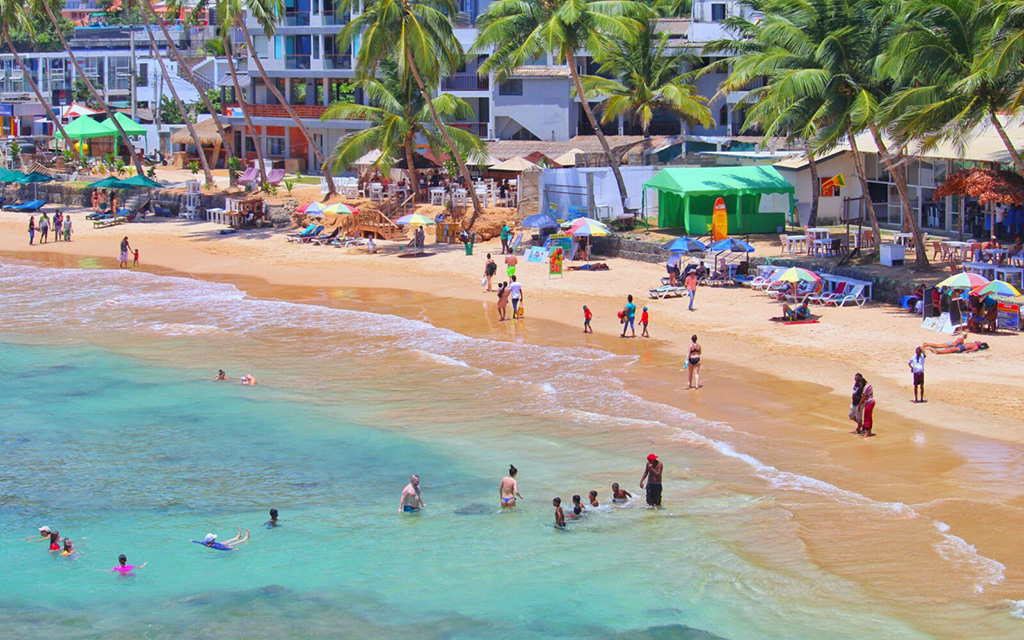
34, 177
130, 127
84, 128
138, 181
109, 183
7, 175
686, 197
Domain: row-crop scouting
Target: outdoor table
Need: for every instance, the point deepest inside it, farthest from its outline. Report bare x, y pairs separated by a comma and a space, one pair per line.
981, 268
995, 255
821, 245
957, 248
792, 241
1012, 275
216, 214
813, 235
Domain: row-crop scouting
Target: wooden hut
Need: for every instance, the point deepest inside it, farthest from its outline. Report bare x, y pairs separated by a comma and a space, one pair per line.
209, 138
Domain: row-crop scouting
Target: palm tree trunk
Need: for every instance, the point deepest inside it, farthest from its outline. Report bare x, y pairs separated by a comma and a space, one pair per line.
920, 255
409, 157
570, 59
1017, 161
181, 105
245, 113
95, 94
858, 162
182, 65
477, 208
317, 153
32, 83
815, 186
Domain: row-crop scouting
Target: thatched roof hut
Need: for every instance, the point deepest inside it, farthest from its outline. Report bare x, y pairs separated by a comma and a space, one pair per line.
206, 131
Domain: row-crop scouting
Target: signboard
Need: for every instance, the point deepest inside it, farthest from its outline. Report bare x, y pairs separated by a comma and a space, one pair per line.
560, 240
1008, 316
60, 97
719, 221
7, 110
555, 262
536, 254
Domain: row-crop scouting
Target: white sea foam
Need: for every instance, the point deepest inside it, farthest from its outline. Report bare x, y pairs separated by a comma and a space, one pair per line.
962, 554
1017, 609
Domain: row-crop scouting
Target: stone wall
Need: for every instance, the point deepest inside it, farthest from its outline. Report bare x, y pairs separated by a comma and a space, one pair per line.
619, 247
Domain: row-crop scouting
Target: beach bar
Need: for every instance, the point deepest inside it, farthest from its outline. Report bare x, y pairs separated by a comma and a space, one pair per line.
686, 198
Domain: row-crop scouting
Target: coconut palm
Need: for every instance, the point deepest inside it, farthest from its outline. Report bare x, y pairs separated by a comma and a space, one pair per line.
207, 174
14, 16
43, 7
645, 78
520, 30
418, 35
399, 116
944, 51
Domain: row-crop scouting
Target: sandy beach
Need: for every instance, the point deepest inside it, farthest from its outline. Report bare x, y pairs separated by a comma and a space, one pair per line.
783, 390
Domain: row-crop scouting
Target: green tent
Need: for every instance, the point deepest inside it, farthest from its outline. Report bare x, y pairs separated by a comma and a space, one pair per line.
84, 128
130, 127
686, 198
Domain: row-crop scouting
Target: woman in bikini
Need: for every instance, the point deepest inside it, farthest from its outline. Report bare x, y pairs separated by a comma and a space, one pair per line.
955, 344
509, 490
963, 347
693, 360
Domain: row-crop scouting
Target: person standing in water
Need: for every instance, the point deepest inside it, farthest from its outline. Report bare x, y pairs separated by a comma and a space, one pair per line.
652, 474
693, 363
270, 524
593, 499
559, 515
123, 256
509, 489
412, 500
124, 568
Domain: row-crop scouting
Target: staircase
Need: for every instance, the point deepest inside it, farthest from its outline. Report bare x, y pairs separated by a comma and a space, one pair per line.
380, 224
204, 83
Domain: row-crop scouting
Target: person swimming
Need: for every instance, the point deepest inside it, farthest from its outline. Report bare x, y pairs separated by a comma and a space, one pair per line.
124, 568
620, 496
69, 547
593, 499
248, 380
228, 545
270, 524
509, 489
55, 541
221, 375
577, 507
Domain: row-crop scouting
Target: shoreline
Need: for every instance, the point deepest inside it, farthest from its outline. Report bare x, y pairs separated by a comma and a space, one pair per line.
793, 418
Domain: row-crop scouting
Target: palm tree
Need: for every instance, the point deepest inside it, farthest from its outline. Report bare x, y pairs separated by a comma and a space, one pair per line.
177, 101
519, 30
191, 77
14, 16
645, 78
399, 116
944, 52
40, 7
418, 35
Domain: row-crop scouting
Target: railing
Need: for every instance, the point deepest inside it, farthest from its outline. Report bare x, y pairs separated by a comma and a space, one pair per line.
465, 82
376, 224
666, 128
296, 18
278, 111
476, 128
297, 61
335, 18
337, 61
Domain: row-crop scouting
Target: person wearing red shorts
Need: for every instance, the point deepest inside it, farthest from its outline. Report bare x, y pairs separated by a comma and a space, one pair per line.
868, 402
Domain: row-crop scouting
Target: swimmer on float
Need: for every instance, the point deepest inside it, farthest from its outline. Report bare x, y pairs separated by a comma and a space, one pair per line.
228, 545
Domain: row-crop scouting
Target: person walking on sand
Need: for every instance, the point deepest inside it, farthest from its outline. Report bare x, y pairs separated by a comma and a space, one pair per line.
628, 317
31, 230
509, 489
856, 409
503, 294
510, 264
515, 293
644, 319
44, 228
867, 400
693, 363
67, 228
504, 239
588, 315
916, 365
691, 285
652, 474
412, 500
125, 248
490, 268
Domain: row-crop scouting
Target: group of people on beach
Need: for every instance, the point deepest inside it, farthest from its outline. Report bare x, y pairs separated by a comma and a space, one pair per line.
61, 225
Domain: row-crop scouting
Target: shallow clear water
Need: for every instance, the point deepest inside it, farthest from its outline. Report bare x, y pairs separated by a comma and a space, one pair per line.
112, 433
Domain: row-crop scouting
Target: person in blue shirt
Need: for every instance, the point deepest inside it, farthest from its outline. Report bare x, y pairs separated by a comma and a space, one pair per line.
629, 315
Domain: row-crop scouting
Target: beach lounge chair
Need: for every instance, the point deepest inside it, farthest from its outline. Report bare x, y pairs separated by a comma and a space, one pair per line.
325, 239
275, 177
824, 297
666, 291
351, 241
311, 231
855, 295
252, 173
766, 279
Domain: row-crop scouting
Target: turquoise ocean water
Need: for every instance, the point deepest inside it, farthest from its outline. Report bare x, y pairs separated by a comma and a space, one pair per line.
113, 433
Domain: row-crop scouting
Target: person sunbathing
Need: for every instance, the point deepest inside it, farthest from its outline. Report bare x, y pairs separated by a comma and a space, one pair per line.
968, 347
795, 314
945, 345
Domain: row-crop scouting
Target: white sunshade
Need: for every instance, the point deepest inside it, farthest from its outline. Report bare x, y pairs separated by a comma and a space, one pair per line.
516, 164
369, 157
568, 159
477, 159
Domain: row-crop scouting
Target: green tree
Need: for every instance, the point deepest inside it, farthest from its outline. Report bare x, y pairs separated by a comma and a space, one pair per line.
520, 30
37, 33
398, 116
418, 36
645, 77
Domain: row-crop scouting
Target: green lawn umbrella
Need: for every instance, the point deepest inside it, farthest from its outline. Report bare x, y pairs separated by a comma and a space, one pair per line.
109, 183
34, 177
140, 182
7, 175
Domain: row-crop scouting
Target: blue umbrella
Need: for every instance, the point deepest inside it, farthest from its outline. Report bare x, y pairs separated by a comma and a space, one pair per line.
732, 244
539, 221
684, 245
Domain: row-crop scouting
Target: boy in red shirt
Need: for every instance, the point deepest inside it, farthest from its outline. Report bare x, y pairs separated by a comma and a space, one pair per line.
587, 315
136, 258
643, 323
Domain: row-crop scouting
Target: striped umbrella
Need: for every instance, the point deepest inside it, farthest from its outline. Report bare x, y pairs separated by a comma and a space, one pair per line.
340, 208
798, 274
588, 227
964, 281
998, 288
414, 218
311, 208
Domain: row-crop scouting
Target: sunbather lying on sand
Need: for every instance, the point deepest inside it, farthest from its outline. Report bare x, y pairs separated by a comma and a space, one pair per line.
592, 266
945, 345
967, 347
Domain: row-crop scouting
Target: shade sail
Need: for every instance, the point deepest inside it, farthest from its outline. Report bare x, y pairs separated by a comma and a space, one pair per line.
686, 197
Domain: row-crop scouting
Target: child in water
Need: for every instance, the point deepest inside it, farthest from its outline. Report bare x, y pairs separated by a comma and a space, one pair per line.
587, 316
69, 547
270, 524
577, 507
124, 568
559, 516
593, 499
55, 541
620, 496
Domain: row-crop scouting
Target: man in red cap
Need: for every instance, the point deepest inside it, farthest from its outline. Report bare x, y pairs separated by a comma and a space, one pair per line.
653, 476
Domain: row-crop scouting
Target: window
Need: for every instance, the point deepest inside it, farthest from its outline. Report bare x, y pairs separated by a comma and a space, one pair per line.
511, 88
723, 116
143, 79
277, 47
718, 12
275, 146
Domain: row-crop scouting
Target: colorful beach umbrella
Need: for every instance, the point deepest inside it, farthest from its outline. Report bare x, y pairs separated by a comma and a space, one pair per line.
576, 222
732, 244
798, 274
684, 245
340, 209
588, 227
311, 208
414, 218
998, 288
964, 281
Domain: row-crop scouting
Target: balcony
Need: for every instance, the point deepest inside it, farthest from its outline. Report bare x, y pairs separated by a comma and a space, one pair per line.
465, 82
312, 111
337, 61
476, 128
334, 18
297, 61
296, 18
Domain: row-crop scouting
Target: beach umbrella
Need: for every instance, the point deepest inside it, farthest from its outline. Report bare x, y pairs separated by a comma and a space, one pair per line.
964, 281
568, 159
998, 288
684, 245
140, 182
7, 175
539, 221
340, 209
588, 227
414, 218
310, 208
798, 274
732, 244
515, 165
109, 182
35, 178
